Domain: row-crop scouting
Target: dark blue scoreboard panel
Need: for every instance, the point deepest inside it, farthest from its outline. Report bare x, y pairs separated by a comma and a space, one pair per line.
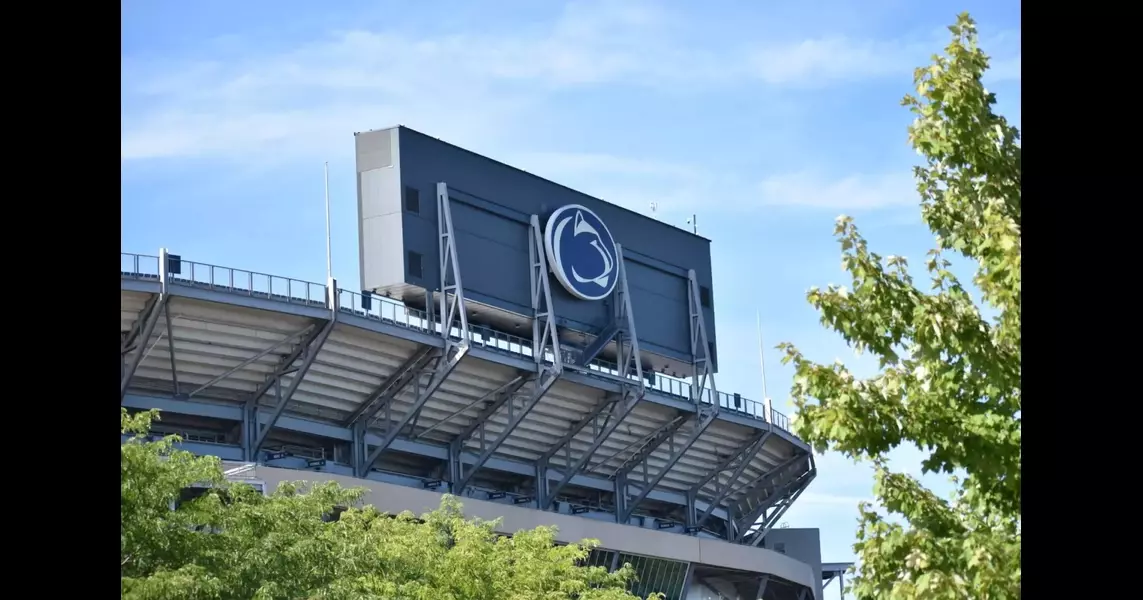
492, 203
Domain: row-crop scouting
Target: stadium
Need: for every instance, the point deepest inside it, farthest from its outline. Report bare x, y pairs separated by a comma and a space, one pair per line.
546, 356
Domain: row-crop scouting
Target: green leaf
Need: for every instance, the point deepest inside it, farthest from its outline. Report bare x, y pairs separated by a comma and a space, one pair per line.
950, 379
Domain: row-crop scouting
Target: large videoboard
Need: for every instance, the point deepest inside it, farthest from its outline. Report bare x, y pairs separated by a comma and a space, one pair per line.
398, 170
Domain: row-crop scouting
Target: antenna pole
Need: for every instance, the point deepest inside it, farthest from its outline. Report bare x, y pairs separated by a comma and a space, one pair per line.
328, 252
694, 224
762, 365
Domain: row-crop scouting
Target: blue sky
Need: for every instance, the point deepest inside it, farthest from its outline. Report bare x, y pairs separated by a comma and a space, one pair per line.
766, 119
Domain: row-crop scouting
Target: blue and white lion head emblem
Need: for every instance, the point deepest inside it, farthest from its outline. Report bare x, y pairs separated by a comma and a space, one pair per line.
581, 252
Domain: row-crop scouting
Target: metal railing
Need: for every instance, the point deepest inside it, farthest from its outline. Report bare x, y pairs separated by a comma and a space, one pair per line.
297, 291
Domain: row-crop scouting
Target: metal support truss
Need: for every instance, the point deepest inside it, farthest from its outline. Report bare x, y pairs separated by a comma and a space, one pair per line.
617, 408
785, 502
255, 434
703, 377
453, 314
540, 384
136, 342
286, 340
499, 396
439, 367
545, 342
705, 415
735, 455
307, 351
782, 494
171, 346
771, 480
401, 377
628, 360
493, 395
452, 308
544, 337
744, 457
699, 422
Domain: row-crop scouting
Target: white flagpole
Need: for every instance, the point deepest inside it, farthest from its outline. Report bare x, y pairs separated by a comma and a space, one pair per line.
762, 365
328, 252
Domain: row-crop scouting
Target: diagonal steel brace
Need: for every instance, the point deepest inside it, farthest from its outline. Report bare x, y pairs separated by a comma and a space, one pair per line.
724, 489
706, 416
540, 386
621, 408
397, 381
747, 519
309, 350
137, 341
444, 368
751, 445
787, 500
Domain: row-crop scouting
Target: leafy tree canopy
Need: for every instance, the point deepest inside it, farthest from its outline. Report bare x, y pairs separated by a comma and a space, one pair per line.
949, 379
233, 542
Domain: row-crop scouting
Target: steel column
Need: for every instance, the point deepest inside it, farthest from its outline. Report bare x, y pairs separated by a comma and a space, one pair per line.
444, 368
755, 442
703, 377
393, 385
701, 422
774, 478
452, 309
310, 349
171, 346
540, 386
544, 335
503, 394
770, 521
627, 352
138, 345
627, 339
789, 490
724, 489
286, 340
619, 410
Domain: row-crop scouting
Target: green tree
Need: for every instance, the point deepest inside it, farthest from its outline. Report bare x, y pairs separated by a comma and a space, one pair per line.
233, 542
949, 377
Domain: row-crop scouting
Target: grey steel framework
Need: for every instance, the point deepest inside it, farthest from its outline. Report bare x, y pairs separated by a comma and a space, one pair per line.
276, 370
831, 571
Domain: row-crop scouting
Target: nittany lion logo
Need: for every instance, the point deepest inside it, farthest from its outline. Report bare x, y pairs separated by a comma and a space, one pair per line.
581, 252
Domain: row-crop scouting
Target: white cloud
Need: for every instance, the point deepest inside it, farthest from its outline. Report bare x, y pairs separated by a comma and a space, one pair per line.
830, 60
853, 192
471, 88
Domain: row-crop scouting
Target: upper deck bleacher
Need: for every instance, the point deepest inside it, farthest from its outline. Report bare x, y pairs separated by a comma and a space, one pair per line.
343, 373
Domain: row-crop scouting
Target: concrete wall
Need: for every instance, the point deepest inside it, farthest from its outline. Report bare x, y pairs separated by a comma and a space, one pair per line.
491, 206
803, 545
394, 499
